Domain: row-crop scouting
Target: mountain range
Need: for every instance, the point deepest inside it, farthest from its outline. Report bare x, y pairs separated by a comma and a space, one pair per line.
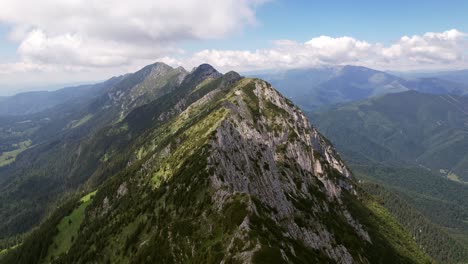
458, 76
185, 167
423, 130
316, 88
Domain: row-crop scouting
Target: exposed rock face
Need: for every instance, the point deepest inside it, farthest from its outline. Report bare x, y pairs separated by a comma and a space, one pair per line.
144, 86
277, 157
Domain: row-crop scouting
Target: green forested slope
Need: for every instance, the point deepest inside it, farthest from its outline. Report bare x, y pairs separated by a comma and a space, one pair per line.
433, 239
404, 128
66, 144
415, 146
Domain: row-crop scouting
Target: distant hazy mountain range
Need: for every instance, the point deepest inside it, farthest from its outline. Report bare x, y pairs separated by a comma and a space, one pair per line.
309, 88
413, 128
318, 87
37, 101
460, 76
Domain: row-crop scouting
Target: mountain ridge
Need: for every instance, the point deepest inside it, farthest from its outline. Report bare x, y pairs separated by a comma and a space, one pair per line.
222, 168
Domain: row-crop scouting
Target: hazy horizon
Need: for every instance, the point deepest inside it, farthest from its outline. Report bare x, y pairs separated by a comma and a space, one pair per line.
96, 42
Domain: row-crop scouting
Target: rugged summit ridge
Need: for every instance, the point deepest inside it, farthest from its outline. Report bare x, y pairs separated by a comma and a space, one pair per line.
223, 169
252, 153
144, 86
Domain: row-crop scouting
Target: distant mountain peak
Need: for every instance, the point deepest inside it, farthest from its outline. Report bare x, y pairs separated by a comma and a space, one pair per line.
206, 69
202, 72
159, 64
232, 75
181, 69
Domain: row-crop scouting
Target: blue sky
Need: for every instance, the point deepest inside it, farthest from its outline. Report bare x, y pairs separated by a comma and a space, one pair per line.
56, 41
375, 21
7, 47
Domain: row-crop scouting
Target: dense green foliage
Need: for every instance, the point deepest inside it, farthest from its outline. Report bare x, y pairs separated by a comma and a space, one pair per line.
8, 157
433, 239
443, 201
62, 163
387, 234
68, 229
37, 243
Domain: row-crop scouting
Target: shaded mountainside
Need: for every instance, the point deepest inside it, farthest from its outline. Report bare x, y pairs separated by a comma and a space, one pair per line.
128, 91
47, 154
405, 128
34, 102
415, 145
460, 76
220, 169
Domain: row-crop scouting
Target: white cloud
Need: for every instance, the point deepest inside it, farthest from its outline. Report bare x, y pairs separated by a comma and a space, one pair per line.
283, 54
334, 50
117, 32
75, 50
431, 48
445, 50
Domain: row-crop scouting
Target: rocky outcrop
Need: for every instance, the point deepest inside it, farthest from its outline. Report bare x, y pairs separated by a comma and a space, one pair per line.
277, 157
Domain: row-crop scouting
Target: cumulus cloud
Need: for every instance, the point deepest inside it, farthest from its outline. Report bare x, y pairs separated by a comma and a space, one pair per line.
283, 54
431, 50
76, 50
117, 32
